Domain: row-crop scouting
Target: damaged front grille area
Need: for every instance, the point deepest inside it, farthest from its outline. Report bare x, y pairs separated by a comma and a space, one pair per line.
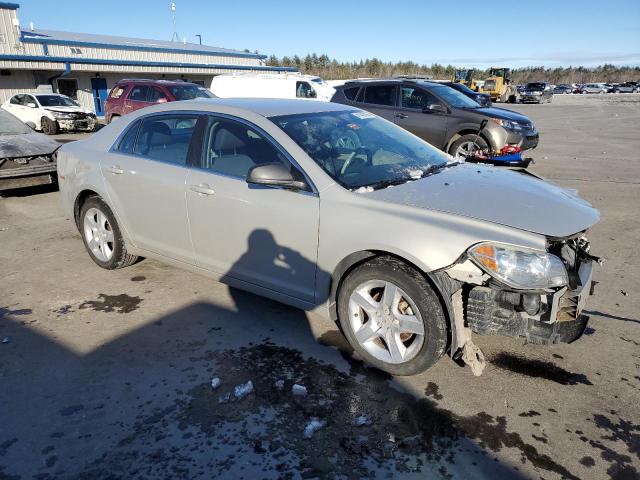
7, 163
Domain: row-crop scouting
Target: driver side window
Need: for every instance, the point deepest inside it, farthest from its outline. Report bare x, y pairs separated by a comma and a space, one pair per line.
232, 148
416, 98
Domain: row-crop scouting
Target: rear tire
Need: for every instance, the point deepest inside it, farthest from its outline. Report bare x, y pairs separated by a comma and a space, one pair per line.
102, 236
387, 334
113, 117
49, 127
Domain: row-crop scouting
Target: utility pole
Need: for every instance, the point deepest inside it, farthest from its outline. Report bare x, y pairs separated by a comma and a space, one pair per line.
174, 37
199, 38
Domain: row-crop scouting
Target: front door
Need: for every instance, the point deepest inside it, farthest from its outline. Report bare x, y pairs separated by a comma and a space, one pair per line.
261, 235
413, 115
99, 89
145, 180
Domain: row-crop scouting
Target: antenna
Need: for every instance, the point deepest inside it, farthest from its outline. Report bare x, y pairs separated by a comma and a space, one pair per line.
175, 37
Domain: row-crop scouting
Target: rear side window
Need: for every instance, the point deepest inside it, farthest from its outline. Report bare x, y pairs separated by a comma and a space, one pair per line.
127, 143
381, 95
156, 95
17, 100
351, 93
304, 90
139, 93
166, 138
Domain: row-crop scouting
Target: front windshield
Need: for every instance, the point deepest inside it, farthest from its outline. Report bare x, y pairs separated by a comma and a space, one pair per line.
56, 101
189, 92
358, 149
10, 125
535, 86
454, 97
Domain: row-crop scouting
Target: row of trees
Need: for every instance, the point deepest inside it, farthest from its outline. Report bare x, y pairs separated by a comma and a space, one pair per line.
331, 69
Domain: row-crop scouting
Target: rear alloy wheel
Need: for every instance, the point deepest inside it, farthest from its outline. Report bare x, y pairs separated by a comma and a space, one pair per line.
466, 146
392, 317
102, 237
50, 127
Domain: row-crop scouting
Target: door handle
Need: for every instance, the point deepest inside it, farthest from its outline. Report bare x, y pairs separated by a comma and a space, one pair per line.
202, 189
116, 170
401, 115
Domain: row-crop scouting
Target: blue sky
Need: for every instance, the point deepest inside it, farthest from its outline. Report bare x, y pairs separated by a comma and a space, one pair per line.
460, 32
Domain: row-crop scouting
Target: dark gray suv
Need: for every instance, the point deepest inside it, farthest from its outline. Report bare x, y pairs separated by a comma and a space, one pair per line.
440, 115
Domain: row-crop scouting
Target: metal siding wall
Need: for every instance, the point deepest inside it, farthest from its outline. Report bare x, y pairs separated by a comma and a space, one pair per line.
18, 81
7, 29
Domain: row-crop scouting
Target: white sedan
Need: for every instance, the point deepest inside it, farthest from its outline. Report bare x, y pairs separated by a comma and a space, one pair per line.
50, 112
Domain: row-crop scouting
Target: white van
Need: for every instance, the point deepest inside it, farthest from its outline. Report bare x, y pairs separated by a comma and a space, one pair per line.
271, 85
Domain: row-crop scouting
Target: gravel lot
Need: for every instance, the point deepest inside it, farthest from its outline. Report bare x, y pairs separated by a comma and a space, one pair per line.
108, 374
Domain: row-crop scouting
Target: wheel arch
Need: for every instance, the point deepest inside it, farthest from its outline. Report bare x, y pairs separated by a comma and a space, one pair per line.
81, 198
466, 131
441, 283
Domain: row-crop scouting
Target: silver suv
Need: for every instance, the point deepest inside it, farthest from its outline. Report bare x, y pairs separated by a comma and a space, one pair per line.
332, 209
441, 115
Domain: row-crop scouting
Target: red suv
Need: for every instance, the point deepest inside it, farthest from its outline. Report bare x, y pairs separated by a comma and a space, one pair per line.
133, 94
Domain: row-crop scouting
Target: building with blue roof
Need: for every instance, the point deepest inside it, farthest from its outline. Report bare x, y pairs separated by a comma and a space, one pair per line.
86, 66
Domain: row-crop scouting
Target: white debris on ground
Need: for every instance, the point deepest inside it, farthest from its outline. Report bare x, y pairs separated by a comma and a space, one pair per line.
363, 190
6, 340
299, 390
226, 398
243, 390
279, 384
215, 382
361, 421
314, 425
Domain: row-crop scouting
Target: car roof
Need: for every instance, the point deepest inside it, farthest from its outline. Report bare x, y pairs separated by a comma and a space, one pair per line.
366, 81
270, 107
155, 82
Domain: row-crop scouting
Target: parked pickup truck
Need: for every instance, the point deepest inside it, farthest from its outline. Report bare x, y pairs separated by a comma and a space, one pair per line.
27, 158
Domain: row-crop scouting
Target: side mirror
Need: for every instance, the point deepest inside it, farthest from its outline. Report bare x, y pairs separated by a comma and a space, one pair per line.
31, 125
434, 108
31, 105
274, 175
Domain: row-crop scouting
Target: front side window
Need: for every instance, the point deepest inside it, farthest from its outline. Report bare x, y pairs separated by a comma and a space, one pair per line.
16, 100
416, 98
304, 90
232, 148
381, 95
166, 138
189, 92
359, 149
157, 96
139, 93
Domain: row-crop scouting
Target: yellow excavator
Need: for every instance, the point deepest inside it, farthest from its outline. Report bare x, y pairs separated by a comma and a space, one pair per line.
499, 86
465, 76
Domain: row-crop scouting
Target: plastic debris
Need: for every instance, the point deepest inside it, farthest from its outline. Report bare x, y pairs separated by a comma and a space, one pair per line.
299, 390
361, 421
279, 384
215, 382
243, 390
621, 291
226, 398
6, 340
314, 425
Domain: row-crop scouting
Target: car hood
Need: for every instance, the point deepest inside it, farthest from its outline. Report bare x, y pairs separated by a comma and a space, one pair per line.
504, 114
499, 196
26, 145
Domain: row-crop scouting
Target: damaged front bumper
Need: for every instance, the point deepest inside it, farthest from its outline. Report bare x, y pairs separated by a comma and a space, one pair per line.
84, 124
27, 172
480, 304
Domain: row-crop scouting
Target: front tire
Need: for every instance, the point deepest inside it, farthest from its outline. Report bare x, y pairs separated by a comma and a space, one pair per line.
49, 127
102, 236
392, 317
466, 145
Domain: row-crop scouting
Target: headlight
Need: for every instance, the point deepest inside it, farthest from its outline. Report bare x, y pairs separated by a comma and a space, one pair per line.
520, 267
508, 124
62, 115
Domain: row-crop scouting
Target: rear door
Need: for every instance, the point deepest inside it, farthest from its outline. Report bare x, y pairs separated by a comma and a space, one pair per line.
137, 98
412, 115
380, 98
145, 176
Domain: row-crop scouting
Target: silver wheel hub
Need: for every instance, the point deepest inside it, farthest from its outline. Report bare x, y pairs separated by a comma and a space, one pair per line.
466, 149
386, 321
98, 234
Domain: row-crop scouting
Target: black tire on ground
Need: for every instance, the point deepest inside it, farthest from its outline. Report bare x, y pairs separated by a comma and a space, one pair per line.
120, 257
50, 127
513, 98
415, 285
469, 137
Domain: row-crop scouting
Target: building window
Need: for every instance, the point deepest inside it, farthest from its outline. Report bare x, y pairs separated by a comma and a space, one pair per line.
75, 51
68, 87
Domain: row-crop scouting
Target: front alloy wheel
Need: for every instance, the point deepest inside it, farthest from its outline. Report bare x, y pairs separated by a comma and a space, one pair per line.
386, 321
